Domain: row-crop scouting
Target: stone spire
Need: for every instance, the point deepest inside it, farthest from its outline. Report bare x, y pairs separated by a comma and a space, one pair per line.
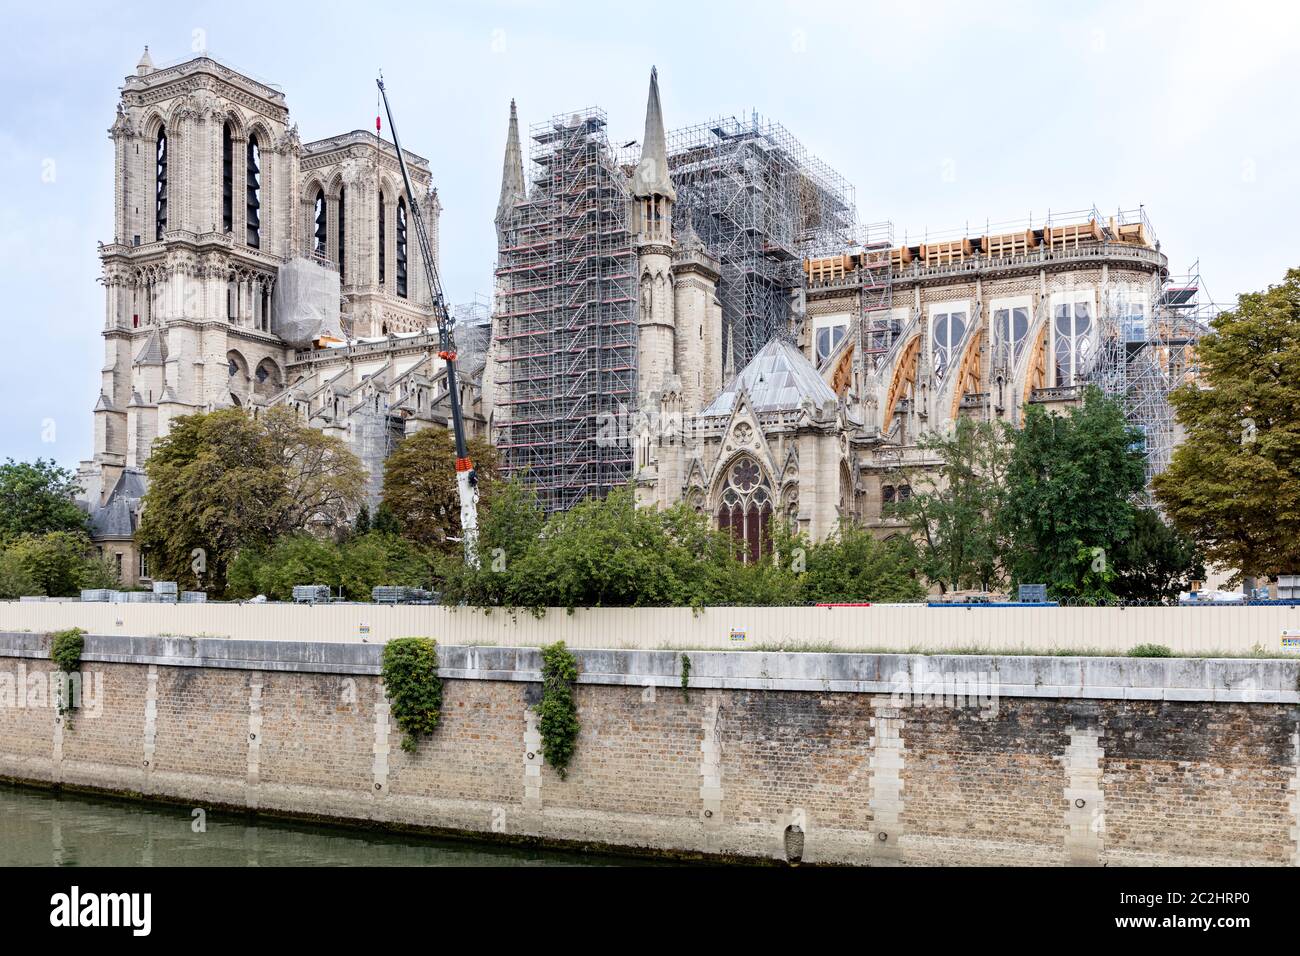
145, 66
651, 177
513, 190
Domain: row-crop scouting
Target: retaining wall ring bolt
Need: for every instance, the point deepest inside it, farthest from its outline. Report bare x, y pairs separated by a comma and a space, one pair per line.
252, 736
1080, 803
379, 786
708, 813
883, 836
530, 755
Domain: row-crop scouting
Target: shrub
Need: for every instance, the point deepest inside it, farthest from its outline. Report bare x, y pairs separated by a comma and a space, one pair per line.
559, 711
1150, 650
65, 651
412, 684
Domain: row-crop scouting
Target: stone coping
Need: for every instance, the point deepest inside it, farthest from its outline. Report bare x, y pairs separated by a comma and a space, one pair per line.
916, 675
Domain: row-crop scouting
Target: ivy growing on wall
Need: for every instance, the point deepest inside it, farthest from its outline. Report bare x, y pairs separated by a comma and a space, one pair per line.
558, 710
65, 652
686, 677
413, 687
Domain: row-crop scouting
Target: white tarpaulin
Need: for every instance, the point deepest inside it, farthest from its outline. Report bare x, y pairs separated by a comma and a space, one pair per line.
306, 303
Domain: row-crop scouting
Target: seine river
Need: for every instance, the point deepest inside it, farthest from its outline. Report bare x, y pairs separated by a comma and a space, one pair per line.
41, 828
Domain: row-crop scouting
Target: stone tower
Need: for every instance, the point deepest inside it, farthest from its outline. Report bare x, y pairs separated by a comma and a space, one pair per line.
653, 196
679, 322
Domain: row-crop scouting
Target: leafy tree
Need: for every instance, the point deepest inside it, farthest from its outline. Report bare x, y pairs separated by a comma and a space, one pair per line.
852, 565
323, 480
38, 497
509, 526
420, 485
1234, 484
224, 481
57, 564
953, 512
362, 524
608, 552
1071, 481
355, 566
1156, 561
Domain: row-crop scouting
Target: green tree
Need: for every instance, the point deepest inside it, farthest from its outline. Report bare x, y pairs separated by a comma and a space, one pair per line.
224, 481
1233, 484
38, 497
1071, 483
355, 566
509, 525
1156, 561
57, 564
362, 524
954, 511
420, 485
852, 565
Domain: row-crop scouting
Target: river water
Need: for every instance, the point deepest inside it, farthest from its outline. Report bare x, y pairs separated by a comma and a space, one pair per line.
44, 828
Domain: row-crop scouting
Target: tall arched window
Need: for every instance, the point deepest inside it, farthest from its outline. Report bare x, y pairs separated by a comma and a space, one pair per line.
745, 509
318, 214
1073, 340
401, 247
381, 238
947, 330
342, 220
227, 178
254, 192
160, 201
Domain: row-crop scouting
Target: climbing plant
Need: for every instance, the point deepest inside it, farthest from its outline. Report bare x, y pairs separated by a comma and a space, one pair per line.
558, 710
65, 652
412, 685
686, 677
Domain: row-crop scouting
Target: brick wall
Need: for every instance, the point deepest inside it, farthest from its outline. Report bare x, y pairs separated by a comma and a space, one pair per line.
832, 775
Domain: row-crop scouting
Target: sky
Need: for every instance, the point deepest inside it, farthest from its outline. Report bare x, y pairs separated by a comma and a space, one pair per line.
940, 115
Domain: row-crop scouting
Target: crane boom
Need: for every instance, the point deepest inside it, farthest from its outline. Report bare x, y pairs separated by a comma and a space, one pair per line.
466, 477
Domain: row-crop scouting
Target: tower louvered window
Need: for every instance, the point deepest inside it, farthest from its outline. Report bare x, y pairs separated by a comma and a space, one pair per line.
401, 247
319, 216
227, 178
382, 239
254, 192
160, 202
342, 220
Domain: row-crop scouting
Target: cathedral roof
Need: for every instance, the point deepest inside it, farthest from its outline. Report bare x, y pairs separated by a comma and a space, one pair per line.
778, 379
651, 176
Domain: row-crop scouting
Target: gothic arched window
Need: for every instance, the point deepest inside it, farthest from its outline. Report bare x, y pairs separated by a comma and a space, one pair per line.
318, 214
947, 329
1073, 322
254, 192
401, 247
341, 220
227, 178
745, 508
381, 238
1010, 326
160, 200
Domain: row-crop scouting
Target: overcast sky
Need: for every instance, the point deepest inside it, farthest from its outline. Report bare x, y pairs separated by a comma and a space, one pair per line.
939, 114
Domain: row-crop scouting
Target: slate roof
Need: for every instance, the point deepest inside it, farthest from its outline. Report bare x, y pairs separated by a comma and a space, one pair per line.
778, 379
116, 517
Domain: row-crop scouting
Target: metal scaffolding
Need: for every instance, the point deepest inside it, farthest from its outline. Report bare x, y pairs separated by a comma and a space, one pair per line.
762, 204
1146, 349
566, 316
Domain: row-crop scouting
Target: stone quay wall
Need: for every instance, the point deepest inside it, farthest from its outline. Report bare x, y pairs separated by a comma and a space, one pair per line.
877, 759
